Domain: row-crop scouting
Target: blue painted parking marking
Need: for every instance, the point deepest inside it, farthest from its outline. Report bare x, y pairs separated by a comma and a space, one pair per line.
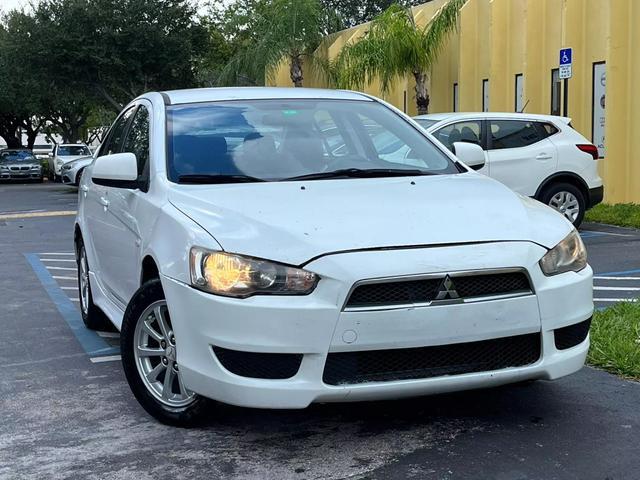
91, 342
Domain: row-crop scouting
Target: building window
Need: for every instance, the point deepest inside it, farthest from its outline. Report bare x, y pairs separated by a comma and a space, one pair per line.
597, 106
519, 93
456, 98
556, 91
485, 95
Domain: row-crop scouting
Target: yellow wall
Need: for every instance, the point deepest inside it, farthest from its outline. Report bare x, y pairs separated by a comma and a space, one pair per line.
498, 39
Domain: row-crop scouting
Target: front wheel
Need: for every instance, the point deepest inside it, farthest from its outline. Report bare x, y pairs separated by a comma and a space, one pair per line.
567, 199
92, 316
148, 347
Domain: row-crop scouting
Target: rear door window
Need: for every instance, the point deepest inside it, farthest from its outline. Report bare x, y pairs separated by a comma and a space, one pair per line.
513, 134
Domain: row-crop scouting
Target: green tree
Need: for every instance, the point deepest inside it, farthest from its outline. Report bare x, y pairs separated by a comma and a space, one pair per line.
355, 12
395, 46
278, 30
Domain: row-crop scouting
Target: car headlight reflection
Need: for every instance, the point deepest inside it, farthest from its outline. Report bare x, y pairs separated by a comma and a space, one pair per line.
238, 276
569, 255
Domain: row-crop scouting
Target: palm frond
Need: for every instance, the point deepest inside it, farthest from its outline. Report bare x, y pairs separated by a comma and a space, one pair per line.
394, 46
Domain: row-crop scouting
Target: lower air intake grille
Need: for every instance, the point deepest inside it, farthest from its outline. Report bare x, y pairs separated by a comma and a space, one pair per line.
274, 366
427, 362
572, 335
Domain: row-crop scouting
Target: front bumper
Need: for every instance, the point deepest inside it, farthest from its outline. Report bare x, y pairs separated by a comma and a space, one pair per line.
314, 326
21, 175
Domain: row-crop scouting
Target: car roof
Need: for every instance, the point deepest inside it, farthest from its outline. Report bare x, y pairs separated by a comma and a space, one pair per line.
72, 145
438, 117
197, 95
15, 150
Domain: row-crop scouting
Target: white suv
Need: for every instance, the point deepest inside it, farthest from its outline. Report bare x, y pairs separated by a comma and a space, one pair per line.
539, 156
268, 248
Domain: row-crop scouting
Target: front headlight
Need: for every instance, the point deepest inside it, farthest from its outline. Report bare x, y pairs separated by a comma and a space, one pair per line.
568, 256
237, 276
4, 167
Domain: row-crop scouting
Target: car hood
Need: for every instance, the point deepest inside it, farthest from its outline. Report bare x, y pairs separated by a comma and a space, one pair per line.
20, 163
78, 161
293, 222
69, 158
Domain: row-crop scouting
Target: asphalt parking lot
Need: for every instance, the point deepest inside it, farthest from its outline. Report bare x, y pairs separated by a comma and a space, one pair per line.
67, 411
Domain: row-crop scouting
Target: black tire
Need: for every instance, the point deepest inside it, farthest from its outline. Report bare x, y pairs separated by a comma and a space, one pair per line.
551, 191
92, 316
183, 416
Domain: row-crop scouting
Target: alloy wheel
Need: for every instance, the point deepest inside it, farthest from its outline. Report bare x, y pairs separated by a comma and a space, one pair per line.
567, 204
155, 356
83, 276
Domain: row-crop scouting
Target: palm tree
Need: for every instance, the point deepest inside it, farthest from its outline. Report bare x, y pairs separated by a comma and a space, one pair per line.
287, 30
394, 46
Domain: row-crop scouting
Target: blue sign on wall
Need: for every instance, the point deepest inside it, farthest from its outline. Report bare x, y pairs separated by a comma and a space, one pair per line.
565, 56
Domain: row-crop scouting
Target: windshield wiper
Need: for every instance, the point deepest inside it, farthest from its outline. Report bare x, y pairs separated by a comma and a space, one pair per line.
212, 179
361, 173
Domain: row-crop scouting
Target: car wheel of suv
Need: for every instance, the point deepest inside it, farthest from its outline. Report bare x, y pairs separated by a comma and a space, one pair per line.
92, 316
148, 347
566, 199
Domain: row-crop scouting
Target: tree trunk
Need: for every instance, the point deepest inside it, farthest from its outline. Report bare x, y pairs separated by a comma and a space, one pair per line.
31, 138
295, 71
12, 141
422, 96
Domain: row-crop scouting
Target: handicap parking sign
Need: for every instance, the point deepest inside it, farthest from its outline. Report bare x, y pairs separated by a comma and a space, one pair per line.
565, 63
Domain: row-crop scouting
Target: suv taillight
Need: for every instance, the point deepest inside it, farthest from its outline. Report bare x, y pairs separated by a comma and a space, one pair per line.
590, 149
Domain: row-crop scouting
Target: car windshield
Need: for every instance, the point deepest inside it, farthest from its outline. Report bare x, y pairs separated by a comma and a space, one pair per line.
19, 156
424, 123
272, 140
73, 150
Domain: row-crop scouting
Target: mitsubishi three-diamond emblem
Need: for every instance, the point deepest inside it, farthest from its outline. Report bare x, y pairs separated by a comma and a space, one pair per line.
447, 290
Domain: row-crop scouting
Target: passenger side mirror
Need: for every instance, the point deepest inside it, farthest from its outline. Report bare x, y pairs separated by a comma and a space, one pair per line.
470, 154
119, 170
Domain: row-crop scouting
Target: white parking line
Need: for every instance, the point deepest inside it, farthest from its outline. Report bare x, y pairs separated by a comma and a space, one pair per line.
616, 278
57, 253
633, 300
597, 233
109, 358
64, 278
108, 334
74, 299
57, 260
622, 289
75, 288
60, 268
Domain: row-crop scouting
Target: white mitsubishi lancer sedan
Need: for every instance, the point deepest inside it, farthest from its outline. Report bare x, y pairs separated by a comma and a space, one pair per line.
273, 248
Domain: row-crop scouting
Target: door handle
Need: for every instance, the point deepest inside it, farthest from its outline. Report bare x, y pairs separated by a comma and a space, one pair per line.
84, 188
543, 156
104, 202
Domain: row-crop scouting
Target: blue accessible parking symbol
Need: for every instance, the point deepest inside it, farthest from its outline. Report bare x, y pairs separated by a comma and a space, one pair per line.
565, 56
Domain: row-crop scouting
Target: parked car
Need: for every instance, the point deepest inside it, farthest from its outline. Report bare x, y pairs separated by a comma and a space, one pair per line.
246, 263
19, 164
64, 153
540, 156
71, 172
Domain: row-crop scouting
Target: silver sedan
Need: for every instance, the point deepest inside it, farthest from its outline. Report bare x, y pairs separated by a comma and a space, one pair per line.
71, 172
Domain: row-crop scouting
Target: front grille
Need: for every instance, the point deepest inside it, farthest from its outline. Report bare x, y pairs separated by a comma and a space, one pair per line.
274, 366
403, 292
427, 362
567, 337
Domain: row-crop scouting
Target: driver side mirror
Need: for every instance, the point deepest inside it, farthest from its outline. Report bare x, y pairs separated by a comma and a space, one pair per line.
470, 154
119, 170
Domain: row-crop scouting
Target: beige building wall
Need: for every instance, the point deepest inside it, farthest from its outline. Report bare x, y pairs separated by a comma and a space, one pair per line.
498, 39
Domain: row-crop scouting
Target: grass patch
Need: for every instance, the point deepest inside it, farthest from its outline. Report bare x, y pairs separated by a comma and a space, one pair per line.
621, 214
615, 340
